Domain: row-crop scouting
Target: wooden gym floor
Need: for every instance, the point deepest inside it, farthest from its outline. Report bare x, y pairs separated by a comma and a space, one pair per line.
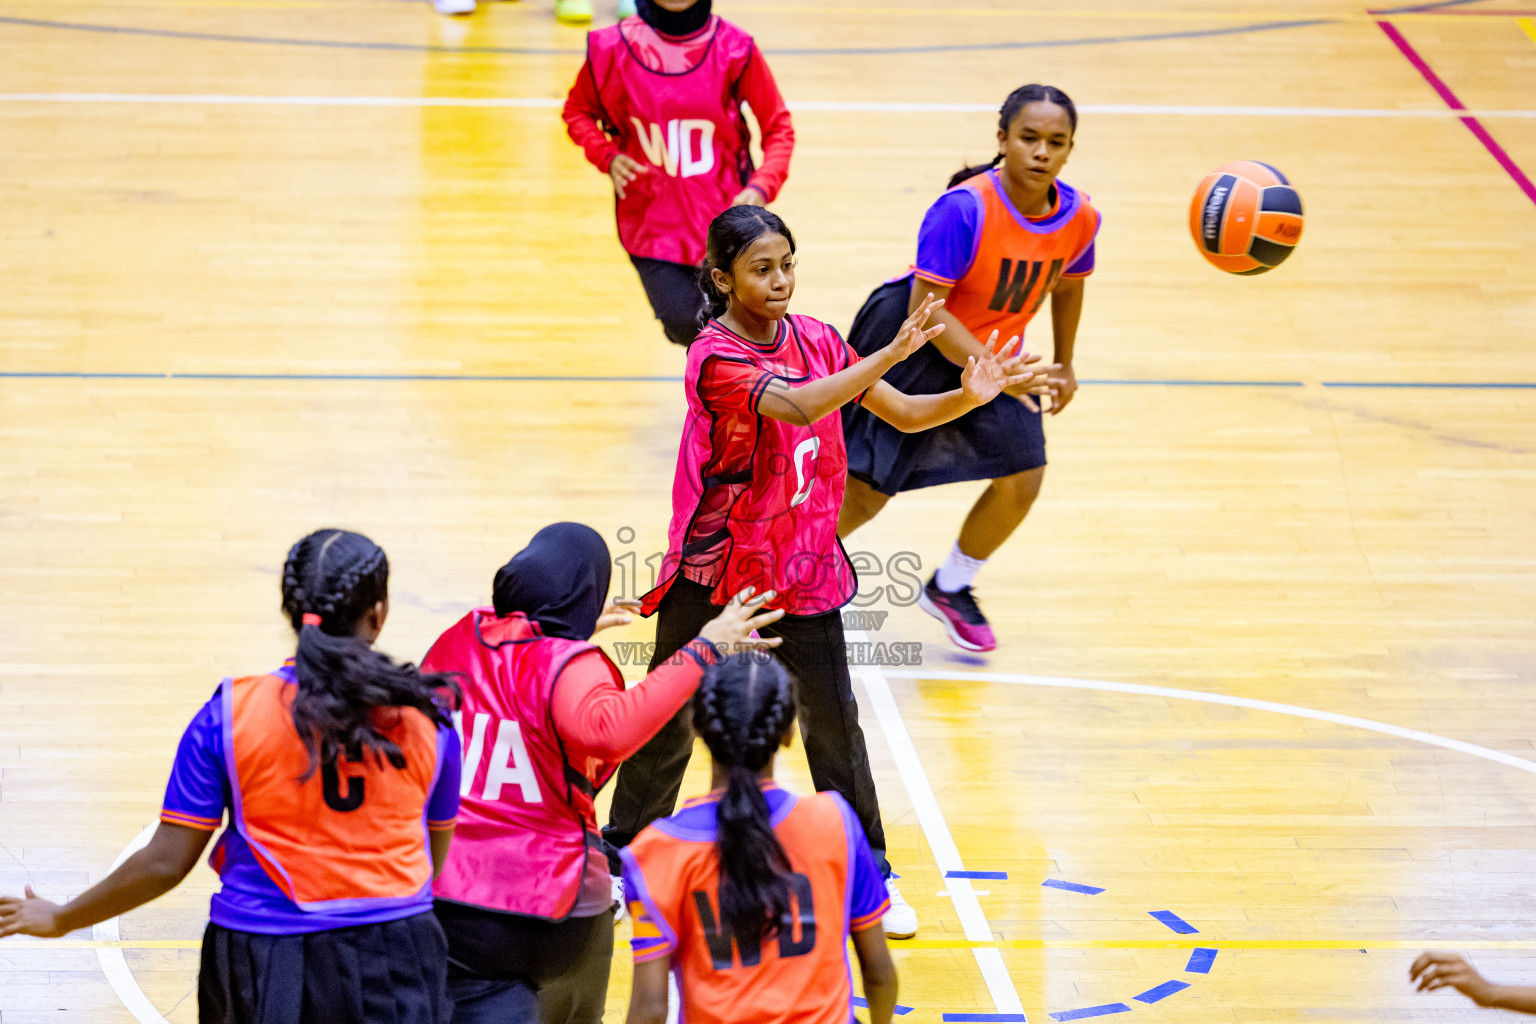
270, 265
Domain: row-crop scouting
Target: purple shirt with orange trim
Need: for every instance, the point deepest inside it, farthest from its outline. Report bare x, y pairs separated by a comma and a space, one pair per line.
951, 233
198, 796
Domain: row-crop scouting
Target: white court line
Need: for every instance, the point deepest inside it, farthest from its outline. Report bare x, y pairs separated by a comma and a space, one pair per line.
834, 106
920, 793
945, 853
1294, 710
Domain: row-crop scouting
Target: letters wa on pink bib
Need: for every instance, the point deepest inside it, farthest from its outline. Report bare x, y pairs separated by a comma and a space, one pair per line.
527, 813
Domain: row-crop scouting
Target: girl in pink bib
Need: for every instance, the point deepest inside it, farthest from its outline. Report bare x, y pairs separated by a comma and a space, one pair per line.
756, 497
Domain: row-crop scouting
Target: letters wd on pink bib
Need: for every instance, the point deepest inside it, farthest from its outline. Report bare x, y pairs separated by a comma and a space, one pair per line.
675, 107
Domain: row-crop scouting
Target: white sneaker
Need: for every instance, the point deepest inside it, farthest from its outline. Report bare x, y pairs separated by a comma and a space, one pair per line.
620, 906
454, 6
900, 922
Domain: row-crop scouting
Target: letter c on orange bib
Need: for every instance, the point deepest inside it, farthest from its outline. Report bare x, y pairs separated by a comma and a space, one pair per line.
1245, 217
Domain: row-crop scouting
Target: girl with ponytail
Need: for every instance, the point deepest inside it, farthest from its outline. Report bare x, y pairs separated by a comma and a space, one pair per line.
750, 894
755, 501
1006, 235
339, 772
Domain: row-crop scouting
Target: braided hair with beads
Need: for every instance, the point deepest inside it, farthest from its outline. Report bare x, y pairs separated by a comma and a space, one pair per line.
743, 710
331, 580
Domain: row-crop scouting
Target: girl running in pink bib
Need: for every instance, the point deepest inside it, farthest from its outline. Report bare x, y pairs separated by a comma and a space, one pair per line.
756, 496
657, 107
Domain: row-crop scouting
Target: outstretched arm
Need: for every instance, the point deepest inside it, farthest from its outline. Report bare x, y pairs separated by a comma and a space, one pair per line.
1000, 368
808, 403
150, 873
1434, 970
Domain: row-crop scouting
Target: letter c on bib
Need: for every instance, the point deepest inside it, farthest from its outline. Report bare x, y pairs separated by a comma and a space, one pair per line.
804, 468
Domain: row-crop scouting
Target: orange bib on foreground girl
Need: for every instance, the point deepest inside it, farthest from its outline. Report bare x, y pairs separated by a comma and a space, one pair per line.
355, 831
800, 975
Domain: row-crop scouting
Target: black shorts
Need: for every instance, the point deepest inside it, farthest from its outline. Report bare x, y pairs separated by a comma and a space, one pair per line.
390, 973
675, 295
999, 439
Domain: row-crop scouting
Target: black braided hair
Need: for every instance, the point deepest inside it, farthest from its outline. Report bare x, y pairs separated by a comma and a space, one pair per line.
1017, 101
729, 235
743, 709
339, 576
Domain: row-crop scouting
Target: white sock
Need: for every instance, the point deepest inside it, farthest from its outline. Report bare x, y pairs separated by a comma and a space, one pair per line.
958, 570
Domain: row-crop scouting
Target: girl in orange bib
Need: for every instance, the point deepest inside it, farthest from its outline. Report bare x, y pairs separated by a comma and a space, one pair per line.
339, 774
749, 895
1004, 238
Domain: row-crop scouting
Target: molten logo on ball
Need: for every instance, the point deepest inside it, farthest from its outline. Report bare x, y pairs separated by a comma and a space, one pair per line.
1245, 217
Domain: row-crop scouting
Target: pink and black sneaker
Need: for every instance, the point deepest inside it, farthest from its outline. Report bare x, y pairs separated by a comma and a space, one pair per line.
961, 616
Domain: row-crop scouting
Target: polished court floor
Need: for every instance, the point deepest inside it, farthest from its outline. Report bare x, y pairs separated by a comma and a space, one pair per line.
1268, 639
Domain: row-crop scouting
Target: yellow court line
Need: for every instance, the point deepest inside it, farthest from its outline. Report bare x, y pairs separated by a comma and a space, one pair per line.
1528, 26
933, 944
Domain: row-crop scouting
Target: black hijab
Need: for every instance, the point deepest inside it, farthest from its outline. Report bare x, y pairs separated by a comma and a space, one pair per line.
674, 23
560, 581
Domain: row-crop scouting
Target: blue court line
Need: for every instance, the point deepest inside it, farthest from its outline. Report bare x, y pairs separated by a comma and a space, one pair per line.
1161, 992
995, 876
1419, 8
1056, 883
1200, 961
1091, 1011
1514, 385
901, 1011
1174, 921
536, 51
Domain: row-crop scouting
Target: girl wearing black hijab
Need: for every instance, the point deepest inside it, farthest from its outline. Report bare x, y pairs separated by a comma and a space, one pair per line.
525, 897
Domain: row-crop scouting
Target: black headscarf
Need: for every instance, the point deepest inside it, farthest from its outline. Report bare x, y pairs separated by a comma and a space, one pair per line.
674, 23
560, 580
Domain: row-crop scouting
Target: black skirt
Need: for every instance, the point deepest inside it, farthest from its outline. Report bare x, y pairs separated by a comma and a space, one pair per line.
391, 973
1000, 439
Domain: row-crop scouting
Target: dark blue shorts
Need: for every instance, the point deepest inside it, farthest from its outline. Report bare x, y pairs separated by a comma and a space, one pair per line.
1000, 439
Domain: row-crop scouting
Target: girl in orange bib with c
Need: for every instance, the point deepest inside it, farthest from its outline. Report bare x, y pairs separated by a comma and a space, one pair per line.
339, 773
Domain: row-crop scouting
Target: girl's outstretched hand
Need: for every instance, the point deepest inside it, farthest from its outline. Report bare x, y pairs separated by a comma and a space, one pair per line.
1040, 379
984, 379
912, 335
1434, 970
617, 613
29, 915
733, 627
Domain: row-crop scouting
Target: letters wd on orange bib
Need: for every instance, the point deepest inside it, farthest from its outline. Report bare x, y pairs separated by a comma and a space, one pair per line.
671, 876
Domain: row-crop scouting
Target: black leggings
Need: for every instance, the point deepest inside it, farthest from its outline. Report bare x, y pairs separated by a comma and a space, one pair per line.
508, 969
813, 650
673, 289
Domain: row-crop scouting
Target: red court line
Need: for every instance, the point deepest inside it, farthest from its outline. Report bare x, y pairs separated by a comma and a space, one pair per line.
1473, 124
